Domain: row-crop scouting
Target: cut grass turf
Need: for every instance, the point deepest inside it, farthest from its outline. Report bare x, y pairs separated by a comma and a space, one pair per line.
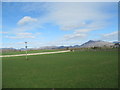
87, 69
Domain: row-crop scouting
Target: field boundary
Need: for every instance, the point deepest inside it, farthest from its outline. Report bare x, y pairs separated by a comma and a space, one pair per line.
35, 53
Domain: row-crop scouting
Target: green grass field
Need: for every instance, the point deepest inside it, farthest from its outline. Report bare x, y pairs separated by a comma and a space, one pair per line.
24, 52
85, 69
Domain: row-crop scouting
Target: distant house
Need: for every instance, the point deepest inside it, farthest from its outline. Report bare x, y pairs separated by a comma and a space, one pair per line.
116, 45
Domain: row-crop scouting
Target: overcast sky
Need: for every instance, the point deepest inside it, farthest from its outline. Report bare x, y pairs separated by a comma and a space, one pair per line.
60, 23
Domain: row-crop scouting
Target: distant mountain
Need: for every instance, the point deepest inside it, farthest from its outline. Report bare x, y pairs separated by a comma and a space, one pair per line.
98, 43
61, 47
116, 42
76, 46
90, 43
7, 48
48, 47
22, 49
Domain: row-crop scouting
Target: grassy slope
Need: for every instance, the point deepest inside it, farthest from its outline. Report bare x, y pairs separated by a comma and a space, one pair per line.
65, 70
24, 52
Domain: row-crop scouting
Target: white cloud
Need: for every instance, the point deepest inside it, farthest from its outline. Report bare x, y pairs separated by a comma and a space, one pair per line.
61, 0
3, 32
38, 33
67, 16
84, 30
27, 23
70, 16
17, 37
23, 35
110, 36
26, 20
74, 26
80, 33
75, 36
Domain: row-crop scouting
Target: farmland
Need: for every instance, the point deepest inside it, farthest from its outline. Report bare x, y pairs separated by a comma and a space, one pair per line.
80, 69
28, 51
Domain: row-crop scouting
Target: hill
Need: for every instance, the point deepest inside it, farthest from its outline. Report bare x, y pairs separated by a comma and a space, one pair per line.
98, 43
